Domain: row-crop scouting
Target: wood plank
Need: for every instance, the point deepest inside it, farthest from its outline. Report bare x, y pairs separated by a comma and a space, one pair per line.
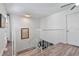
56, 50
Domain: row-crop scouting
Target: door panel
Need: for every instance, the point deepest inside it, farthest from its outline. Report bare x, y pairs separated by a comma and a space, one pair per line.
73, 29
73, 38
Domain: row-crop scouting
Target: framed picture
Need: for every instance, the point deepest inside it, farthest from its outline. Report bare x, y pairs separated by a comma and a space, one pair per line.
24, 33
2, 21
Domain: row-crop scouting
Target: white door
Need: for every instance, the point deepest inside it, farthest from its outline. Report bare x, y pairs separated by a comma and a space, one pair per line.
73, 29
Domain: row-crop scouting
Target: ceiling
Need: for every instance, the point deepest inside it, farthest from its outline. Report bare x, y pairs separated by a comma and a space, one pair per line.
36, 10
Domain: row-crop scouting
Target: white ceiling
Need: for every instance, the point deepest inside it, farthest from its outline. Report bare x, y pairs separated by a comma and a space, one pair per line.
37, 10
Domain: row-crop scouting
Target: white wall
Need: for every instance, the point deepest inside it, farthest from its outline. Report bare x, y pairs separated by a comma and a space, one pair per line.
3, 31
19, 22
53, 28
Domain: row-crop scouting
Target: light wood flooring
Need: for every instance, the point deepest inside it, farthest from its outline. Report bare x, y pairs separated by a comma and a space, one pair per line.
55, 50
9, 51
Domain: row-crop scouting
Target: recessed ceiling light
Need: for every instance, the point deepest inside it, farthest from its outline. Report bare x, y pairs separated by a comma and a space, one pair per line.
27, 15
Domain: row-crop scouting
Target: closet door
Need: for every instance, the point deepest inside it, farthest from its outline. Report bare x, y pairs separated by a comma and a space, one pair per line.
73, 29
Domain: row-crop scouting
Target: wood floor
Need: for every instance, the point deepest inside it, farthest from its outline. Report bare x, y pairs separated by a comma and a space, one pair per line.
9, 51
56, 50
